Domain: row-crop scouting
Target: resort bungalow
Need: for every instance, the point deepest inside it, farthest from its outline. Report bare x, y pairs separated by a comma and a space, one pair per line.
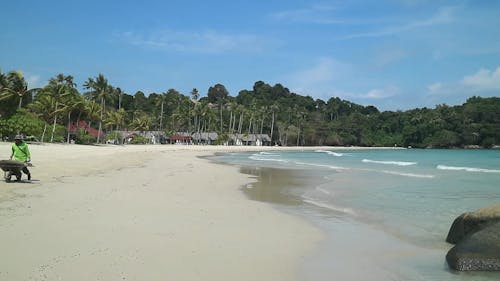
152, 137
180, 138
205, 138
251, 139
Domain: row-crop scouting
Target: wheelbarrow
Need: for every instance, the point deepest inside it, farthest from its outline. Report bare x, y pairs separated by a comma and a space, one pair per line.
12, 168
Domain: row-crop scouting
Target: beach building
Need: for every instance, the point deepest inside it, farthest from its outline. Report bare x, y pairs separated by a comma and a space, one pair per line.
180, 138
151, 137
249, 139
206, 138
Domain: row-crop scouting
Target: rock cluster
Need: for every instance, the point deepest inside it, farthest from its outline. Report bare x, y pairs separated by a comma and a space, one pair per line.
477, 238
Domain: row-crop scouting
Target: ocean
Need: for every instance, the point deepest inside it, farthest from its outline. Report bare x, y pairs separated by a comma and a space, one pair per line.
385, 212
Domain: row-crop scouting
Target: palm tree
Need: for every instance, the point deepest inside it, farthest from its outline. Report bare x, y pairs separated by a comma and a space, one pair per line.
14, 85
194, 94
115, 118
274, 108
91, 111
72, 102
160, 101
63, 90
100, 90
57, 92
43, 106
141, 123
232, 106
118, 93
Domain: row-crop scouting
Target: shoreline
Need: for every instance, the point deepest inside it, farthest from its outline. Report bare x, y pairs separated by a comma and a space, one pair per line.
144, 213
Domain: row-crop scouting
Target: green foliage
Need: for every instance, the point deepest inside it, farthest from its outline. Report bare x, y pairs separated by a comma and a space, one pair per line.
217, 93
83, 137
114, 136
289, 118
22, 122
137, 139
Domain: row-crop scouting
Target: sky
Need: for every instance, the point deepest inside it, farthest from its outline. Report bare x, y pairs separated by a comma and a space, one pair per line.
393, 54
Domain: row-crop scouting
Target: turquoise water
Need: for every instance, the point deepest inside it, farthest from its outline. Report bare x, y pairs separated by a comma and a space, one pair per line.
404, 200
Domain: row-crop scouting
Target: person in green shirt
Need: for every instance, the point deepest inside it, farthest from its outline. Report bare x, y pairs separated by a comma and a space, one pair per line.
21, 152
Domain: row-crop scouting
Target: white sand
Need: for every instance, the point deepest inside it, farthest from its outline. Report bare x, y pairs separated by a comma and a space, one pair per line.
143, 213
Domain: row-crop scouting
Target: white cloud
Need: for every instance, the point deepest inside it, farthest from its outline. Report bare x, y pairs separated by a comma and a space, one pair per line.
33, 80
484, 79
483, 83
444, 16
435, 88
389, 56
384, 93
319, 14
208, 41
323, 71
317, 79
322, 80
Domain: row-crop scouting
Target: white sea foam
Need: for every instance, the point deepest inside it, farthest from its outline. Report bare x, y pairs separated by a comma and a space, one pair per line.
268, 153
321, 166
411, 175
330, 152
467, 169
258, 157
397, 163
348, 211
322, 190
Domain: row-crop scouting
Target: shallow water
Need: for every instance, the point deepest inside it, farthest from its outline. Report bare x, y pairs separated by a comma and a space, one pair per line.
385, 211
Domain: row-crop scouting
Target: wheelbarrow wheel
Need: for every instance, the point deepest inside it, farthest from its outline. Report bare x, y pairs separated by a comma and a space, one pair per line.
7, 176
18, 176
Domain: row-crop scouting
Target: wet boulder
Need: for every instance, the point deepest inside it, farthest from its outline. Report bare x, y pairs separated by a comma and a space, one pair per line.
477, 238
470, 222
479, 251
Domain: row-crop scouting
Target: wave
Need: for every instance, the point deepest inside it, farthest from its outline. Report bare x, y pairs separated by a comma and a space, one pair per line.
397, 163
321, 166
268, 153
330, 153
257, 157
329, 206
411, 175
467, 169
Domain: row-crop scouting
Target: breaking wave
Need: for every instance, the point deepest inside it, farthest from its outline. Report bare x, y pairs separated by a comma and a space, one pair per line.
330, 153
467, 169
397, 163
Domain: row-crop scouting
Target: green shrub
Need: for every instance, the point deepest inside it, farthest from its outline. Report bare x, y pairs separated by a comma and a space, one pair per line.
83, 137
22, 122
139, 140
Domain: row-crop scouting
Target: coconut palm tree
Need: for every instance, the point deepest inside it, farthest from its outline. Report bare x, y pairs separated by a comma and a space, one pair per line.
63, 91
72, 102
14, 85
118, 93
160, 101
195, 94
100, 89
115, 119
44, 107
57, 92
274, 108
142, 122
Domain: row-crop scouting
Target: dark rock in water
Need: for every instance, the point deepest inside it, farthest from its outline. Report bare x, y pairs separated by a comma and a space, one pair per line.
479, 251
470, 222
477, 238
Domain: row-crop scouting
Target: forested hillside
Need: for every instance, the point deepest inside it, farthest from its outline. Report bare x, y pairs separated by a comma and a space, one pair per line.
290, 119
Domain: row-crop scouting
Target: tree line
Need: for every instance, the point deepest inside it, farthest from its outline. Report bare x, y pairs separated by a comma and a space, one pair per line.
288, 118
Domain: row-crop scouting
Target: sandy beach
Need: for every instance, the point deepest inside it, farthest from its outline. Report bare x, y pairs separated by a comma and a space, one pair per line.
143, 213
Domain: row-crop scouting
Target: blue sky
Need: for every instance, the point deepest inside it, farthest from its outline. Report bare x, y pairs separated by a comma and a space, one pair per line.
394, 54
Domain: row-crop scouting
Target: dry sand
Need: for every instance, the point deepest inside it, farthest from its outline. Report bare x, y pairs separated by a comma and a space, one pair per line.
143, 213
